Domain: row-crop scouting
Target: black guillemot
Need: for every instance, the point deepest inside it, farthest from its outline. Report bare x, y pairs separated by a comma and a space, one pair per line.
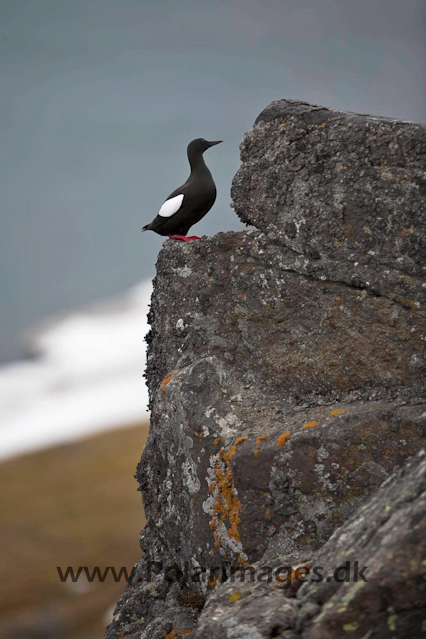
191, 201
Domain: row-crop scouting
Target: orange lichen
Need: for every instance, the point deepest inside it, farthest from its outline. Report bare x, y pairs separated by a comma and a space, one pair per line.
283, 438
213, 581
239, 440
216, 441
337, 411
172, 634
310, 424
227, 505
168, 378
259, 440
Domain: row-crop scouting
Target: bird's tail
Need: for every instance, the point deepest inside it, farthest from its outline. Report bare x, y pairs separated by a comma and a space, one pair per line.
151, 226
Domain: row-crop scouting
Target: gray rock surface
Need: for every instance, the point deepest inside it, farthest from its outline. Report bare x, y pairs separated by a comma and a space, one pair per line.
379, 591
336, 185
286, 370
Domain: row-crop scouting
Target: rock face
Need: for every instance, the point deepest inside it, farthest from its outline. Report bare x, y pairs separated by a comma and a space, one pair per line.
379, 590
286, 373
342, 186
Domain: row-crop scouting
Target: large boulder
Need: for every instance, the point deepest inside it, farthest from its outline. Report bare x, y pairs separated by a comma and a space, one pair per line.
286, 364
336, 185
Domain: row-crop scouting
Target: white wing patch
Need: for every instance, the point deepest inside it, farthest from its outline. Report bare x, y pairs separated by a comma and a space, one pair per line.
172, 206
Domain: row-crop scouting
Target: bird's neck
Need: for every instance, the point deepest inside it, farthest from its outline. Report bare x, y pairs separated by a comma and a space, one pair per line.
197, 164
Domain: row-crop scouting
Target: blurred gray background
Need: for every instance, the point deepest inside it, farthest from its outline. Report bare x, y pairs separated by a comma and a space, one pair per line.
101, 97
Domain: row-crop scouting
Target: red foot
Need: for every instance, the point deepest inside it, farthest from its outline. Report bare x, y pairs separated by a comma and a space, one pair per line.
185, 239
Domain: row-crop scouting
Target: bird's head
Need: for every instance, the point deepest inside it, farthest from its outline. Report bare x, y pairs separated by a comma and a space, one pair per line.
200, 145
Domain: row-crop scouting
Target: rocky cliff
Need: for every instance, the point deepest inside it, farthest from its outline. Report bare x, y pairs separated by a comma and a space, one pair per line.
286, 373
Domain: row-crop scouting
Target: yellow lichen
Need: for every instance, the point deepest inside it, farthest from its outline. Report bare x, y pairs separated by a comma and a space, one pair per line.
337, 411
234, 597
392, 622
351, 627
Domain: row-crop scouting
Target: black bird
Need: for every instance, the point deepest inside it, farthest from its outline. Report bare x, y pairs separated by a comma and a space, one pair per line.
191, 201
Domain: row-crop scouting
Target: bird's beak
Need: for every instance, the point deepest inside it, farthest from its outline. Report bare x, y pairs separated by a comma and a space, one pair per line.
214, 143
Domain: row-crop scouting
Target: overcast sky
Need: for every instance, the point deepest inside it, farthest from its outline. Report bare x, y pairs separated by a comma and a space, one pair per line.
101, 98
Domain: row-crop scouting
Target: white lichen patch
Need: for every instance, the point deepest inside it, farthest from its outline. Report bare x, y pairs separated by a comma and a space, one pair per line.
190, 477
322, 454
185, 272
228, 425
205, 430
324, 478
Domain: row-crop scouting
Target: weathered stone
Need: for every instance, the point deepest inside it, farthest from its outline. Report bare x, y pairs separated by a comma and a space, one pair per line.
286, 371
386, 535
382, 551
342, 186
247, 607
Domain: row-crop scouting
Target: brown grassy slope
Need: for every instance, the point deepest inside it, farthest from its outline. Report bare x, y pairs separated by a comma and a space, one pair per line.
73, 505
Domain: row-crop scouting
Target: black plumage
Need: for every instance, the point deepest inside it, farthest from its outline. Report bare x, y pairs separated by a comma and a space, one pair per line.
189, 203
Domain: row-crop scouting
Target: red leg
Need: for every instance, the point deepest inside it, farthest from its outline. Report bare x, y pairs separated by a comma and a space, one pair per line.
185, 239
